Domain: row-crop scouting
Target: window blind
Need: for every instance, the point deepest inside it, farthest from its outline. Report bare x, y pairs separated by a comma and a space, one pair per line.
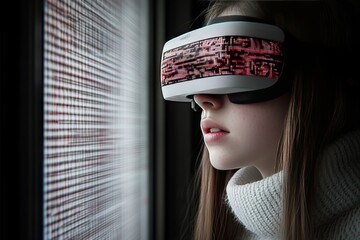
95, 113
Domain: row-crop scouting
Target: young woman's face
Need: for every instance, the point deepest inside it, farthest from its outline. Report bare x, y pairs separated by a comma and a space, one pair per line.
238, 135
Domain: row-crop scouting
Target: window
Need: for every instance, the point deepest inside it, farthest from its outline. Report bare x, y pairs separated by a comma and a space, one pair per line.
95, 120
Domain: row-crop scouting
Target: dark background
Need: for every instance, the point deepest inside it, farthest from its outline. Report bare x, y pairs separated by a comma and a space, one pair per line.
175, 129
183, 134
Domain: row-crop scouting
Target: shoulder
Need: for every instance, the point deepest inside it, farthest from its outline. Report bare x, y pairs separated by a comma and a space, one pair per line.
337, 191
345, 227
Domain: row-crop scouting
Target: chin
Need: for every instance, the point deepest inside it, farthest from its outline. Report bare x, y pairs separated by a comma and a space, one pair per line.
223, 163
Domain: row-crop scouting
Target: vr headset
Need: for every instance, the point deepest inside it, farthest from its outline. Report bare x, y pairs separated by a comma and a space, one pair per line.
243, 57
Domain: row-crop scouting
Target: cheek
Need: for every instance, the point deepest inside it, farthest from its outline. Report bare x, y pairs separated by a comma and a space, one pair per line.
262, 124
257, 132
263, 133
251, 136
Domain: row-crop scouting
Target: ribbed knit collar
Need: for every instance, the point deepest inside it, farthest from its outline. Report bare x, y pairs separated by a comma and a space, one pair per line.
256, 202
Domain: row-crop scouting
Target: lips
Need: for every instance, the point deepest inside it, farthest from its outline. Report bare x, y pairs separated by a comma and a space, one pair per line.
209, 126
212, 131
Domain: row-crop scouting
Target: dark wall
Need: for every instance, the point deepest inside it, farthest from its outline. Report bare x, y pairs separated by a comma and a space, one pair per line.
21, 120
182, 132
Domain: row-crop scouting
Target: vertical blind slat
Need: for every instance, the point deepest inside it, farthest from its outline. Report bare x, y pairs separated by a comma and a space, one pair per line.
95, 156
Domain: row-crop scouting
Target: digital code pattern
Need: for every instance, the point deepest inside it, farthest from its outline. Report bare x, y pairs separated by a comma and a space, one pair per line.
226, 55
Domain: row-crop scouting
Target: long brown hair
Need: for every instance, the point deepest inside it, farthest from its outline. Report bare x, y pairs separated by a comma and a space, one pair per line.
323, 106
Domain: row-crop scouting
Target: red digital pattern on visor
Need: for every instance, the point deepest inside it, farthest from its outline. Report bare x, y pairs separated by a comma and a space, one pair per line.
225, 55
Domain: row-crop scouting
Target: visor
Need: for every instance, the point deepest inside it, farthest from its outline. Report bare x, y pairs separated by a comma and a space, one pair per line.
239, 56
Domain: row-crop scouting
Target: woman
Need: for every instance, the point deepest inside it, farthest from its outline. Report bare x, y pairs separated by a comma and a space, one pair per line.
288, 167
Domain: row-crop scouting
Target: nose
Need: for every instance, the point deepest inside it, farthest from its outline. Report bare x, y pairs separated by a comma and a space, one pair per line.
209, 101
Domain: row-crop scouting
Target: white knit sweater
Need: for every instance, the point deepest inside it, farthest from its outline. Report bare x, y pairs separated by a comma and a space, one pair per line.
256, 202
